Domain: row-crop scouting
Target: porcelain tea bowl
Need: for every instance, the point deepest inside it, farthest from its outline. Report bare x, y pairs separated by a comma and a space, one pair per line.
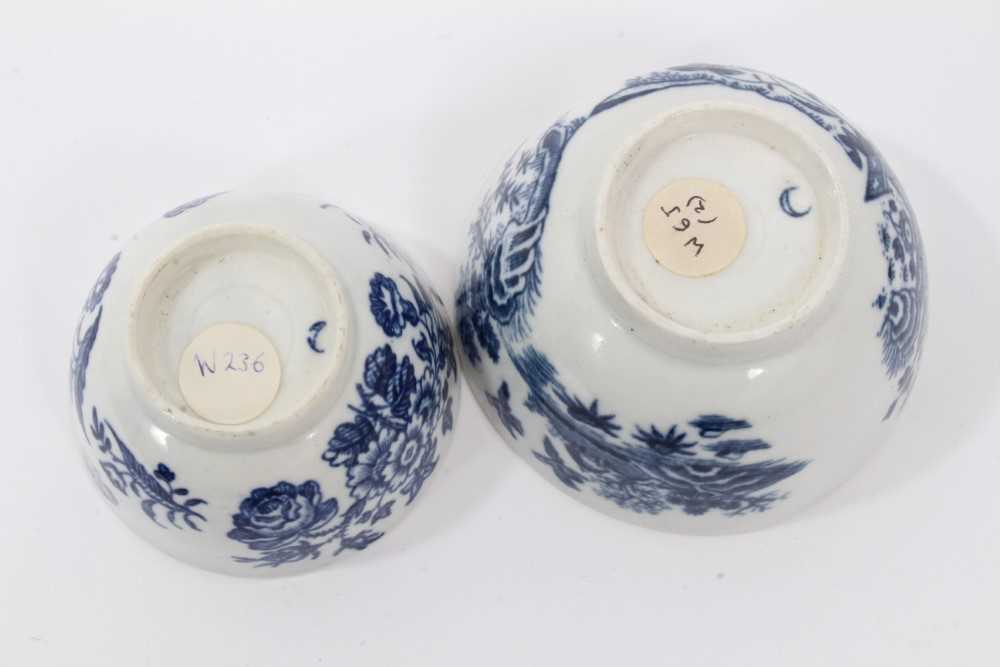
263, 382
699, 304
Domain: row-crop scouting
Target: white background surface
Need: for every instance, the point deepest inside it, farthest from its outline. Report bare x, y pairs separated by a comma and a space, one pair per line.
112, 113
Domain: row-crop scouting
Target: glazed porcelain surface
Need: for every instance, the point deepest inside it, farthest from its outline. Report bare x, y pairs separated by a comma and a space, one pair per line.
699, 304
262, 382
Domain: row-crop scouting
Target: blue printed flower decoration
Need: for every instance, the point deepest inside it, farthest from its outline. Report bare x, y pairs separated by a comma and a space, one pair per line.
276, 516
389, 382
369, 477
404, 456
425, 403
348, 441
387, 447
391, 310
163, 472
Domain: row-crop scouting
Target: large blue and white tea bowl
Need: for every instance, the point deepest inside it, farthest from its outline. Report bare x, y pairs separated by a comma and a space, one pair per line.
262, 383
699, 304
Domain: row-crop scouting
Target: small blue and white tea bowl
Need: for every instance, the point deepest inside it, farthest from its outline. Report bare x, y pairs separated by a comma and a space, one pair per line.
262, 383
699, 304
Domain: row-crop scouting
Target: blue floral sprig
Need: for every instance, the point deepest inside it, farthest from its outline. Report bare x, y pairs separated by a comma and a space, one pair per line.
156, 491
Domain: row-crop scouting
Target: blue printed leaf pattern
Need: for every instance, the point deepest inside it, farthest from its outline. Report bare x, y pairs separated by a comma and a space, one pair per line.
672, 441
359, 541
156, 492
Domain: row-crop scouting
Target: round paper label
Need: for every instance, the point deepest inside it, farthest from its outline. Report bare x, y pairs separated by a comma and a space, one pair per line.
229, 373
694, 227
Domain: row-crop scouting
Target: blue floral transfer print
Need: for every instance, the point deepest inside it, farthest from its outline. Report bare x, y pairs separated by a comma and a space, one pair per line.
284, 518
386, 451
160, 499
390, 309
506, 239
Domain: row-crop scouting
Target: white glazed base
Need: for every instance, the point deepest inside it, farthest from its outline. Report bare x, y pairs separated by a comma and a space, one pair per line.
257, 277
786, 266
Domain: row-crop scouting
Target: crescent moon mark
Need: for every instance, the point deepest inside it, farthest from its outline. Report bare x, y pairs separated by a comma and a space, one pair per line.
786, 203
314, 330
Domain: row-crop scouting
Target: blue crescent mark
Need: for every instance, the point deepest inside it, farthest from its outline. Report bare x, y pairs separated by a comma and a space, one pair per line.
314, 330
786, 203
